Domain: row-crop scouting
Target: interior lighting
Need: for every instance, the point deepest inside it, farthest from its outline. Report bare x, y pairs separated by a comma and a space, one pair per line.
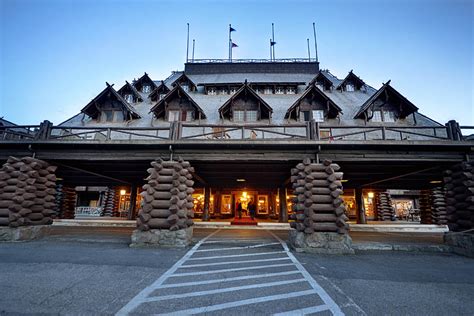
344, 180
436, 181
240, 180
123, 192
370, 195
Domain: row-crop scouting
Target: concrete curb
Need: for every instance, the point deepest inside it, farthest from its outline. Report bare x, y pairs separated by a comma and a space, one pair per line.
375, 246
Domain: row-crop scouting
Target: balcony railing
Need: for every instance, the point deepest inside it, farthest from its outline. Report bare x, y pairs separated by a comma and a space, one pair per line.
183, 131
281, 60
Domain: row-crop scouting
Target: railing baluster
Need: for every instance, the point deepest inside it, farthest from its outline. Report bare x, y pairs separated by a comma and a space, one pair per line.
243, 132
401, 135
109, 134
318, 131
383, 132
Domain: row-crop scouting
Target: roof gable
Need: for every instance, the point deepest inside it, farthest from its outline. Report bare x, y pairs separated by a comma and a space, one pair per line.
312, 93
321, 79
388, 95
161, 89
144, 80
129, 89
159, 109
93, 108
245, 91
184, 80
351, 78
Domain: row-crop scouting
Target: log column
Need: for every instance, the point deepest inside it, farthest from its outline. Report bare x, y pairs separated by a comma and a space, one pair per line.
361, 218
207, 199
283, 205
320, 223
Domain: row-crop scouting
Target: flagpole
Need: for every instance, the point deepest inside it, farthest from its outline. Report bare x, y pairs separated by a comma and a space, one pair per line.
315, 43
193, 52
309, 52
230, 43
187, 46
273, 40
271, 49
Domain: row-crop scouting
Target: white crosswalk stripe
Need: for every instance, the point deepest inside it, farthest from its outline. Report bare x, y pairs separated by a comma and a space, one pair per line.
218, 277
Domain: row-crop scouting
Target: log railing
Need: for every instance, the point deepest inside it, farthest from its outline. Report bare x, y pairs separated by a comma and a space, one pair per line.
88, 211
185, 131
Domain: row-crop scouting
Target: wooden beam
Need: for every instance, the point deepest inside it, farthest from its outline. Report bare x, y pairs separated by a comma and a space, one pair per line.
92, 173
400, 176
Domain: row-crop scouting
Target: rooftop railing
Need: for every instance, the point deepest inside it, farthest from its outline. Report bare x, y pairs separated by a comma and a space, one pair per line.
281, 60
183, 131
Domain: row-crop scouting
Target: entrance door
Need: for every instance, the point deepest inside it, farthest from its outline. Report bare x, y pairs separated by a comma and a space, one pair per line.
244, 197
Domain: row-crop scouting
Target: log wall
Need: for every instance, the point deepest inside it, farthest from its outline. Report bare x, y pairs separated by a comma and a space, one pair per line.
27, 192
167, 201
318, 206
459, 184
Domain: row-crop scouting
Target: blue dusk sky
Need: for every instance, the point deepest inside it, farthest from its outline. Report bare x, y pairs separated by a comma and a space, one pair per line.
56, 55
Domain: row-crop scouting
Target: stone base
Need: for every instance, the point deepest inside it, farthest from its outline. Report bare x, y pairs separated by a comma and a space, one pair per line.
162, 238
460, 243
325, 243
24, 233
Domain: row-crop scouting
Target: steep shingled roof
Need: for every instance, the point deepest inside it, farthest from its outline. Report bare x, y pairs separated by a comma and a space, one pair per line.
179, 92
388, 89
130, 88
93, 111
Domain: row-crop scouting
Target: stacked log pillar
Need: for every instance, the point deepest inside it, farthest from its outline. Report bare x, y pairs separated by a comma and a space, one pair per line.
109, 202
69, 202
426, 211
385, 210
59, 200
318, 210
459, 184
27, 196
438, 206
166, 212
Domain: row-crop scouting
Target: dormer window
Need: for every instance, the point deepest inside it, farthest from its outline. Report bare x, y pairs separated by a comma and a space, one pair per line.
173, 116
279, 90
316, 115
267, 90
376, 116
211, 91
146, 89
233, 90
320, 86
111, 116
388, 116
129, 98
223, 91
185, 87
239, 116
291, 90
161, 96
349, 87
245, 115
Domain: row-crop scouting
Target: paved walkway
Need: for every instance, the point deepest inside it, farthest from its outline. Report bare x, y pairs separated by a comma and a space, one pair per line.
235, 272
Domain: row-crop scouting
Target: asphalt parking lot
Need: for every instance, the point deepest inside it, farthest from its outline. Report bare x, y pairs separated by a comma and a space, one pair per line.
93, 271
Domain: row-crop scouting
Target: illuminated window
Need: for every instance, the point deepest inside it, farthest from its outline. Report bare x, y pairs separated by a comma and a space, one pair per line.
211, 91
173, 116
239, 116
318, 115
129, 98
251, 116
388, 116
376, 116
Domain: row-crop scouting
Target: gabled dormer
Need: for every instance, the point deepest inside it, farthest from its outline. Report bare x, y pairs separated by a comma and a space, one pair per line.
177, 105
386, 105
313, 105
159, 92
351, 83
129, 93
322, 82
109, 106
187, 84
245, 106
144, 84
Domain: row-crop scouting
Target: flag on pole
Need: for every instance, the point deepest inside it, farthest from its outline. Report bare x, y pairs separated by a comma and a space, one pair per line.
272, 43
234, 45
231, 29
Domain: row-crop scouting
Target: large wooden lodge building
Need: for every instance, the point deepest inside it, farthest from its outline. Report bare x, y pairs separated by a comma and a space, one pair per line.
243, 125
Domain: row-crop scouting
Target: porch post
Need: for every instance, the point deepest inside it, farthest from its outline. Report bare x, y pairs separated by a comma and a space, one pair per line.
133, 201
283, 206
207, 197
361, 219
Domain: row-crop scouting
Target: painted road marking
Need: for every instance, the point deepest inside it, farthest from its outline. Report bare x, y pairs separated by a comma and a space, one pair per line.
232, 262
222, 290
277, 282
